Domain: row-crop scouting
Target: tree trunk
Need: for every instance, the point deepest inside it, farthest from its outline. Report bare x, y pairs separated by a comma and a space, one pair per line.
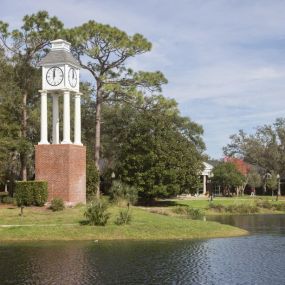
98, 139
23, 155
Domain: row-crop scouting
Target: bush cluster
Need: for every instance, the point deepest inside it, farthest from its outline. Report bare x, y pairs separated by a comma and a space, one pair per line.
96, 213
92, 178
280, 207
236, 208
242, 209
189, 212
122, 192
9, 200
124, 217
216, 207
31, 193
264, 204
2, 196
57, 204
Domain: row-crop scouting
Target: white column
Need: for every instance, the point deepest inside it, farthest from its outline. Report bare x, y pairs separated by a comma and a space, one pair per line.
66, 117
44, 124
77, 120
55, 120
204, 184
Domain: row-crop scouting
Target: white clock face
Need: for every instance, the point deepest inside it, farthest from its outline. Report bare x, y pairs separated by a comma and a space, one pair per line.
54, 76
72, 77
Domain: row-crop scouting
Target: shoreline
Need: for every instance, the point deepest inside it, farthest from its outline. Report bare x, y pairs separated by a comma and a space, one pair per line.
243, 233
44, 225
158, 222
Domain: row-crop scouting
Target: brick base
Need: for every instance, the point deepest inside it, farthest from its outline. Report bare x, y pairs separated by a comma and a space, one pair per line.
64, 168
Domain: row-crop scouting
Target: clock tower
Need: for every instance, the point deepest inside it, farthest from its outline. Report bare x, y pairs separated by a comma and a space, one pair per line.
62, 163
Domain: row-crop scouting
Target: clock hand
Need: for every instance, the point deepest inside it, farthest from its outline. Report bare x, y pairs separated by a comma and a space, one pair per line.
53, 73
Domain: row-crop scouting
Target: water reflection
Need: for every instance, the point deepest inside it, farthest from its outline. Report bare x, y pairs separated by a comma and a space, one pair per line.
104, 263
257, 224
256, 259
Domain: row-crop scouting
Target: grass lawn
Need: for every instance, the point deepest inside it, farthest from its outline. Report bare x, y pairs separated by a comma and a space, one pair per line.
43, 224
247, 200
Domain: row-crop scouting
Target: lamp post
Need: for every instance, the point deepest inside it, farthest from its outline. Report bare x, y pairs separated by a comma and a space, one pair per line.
278, 190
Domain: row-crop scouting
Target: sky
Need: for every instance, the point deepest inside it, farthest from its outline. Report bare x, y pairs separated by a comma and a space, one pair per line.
224, 59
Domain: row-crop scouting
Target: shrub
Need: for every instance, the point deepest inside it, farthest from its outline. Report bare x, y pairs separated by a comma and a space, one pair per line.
24, 194
242, 209
159, 211
57, 204
31, 193
216, 207
2, 196
180, 210
120, 191
9, 200
264, 204
192, 213
96, 213
124, 217
280, 207
92, 178
40, 193
195, 213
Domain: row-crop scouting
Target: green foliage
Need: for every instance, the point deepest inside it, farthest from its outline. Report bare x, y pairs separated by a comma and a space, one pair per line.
190, 212
92, 179
121, 191
264, 204
195, 213
40, 193
96, 213
24, 194
20, 80
34, 35
57, 204
242, 209
180, 210
103, 51
158, 151
280, 207
254, 179
9, 200
216, 207
31, 193
264, 148
234, 209
124, 217
226, 175
272, 182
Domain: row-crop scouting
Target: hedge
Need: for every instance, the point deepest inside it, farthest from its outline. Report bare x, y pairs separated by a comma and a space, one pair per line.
31, 193
3, 195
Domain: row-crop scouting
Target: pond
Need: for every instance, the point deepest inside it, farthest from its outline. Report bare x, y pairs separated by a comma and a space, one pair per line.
255, 259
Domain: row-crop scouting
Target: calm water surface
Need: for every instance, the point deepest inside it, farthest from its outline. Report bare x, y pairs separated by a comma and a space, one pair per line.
255, 259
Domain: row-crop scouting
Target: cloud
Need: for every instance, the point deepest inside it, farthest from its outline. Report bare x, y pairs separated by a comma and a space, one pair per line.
224, 59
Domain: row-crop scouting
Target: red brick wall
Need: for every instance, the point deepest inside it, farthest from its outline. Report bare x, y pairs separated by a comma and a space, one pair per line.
64, 168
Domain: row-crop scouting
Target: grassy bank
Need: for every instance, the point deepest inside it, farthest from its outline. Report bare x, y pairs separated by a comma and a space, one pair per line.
43, 224
257, 205
220, 206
